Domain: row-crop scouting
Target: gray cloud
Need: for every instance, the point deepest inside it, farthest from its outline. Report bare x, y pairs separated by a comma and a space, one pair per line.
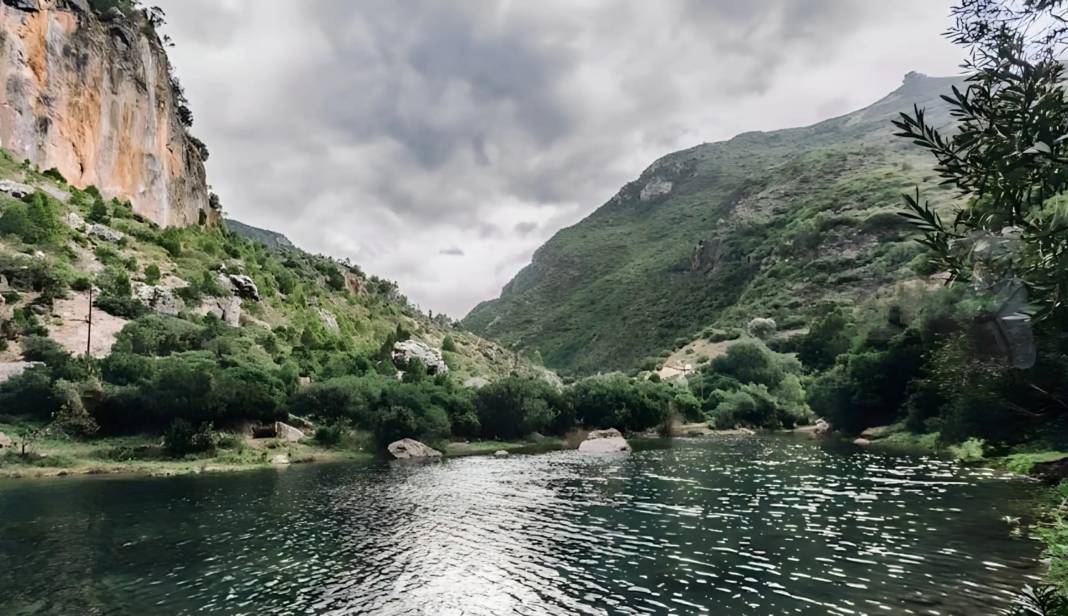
373, 130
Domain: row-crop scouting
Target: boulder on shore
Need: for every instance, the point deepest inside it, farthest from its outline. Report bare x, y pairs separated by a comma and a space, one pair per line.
861, 441
823, 428
287, 432
409, 448
604, 441
281, 459
500, 453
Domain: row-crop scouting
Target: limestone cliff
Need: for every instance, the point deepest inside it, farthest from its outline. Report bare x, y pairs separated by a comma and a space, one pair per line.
91, 95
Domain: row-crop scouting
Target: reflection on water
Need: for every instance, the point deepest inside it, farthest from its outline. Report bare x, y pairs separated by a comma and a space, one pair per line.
746, 526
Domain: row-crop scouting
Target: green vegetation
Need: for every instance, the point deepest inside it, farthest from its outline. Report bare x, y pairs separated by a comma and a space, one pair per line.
771, 225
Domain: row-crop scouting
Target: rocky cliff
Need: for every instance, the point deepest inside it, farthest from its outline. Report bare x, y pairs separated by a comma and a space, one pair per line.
89, 92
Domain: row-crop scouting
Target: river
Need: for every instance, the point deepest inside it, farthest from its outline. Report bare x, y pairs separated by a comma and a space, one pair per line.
751, 525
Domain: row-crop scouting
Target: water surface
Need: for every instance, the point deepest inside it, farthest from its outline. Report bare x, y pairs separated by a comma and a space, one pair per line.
761, 525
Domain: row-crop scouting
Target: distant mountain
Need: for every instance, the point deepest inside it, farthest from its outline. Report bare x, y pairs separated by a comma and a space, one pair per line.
763, 225
272, 239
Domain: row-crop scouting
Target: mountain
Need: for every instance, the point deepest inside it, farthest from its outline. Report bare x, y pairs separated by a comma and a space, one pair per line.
88, 91
764, 225
270, 238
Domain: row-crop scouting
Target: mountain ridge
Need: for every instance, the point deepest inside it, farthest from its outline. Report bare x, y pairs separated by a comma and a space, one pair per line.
699, 236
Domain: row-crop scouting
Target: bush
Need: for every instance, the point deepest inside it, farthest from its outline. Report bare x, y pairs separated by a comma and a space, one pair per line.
152, 274
329, 435
617, 402
448, 344
516, 406
181, 438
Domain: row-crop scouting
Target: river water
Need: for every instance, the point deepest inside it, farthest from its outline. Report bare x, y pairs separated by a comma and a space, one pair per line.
753, 525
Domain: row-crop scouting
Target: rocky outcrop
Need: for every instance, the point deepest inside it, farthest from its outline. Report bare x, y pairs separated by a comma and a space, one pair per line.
408, 448
92, 96
14, 189
11, 370
328, 319
105, 233
656, 187
604, 441
476, 382
228, 309
74, 221
244, 287
5, 441
407, 350
159, 299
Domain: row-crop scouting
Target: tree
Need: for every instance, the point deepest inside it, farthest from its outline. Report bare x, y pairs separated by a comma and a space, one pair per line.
1009, 157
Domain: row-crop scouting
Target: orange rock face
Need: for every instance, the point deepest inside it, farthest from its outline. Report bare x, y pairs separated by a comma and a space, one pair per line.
93, 98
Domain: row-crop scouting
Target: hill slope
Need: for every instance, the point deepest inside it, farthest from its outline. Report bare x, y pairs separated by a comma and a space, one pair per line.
763, 225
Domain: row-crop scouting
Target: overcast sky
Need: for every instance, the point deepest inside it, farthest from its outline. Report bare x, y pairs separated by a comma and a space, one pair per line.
438, 143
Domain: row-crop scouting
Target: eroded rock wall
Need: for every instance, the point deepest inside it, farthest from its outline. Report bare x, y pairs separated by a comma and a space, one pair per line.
91, 95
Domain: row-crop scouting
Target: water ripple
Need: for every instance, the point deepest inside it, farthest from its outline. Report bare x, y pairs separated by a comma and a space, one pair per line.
741, 526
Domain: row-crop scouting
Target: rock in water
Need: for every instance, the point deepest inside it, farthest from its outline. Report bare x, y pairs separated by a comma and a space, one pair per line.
862, 442
405, 351
287, 432
408, 448
604, 441
501, 453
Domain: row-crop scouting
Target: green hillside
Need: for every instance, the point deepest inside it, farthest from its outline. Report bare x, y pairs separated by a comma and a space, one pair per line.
763, 225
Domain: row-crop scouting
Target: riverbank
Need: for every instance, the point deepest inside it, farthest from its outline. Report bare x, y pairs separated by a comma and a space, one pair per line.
60, 456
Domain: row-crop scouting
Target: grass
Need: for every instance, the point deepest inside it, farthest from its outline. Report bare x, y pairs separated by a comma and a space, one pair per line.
52, 456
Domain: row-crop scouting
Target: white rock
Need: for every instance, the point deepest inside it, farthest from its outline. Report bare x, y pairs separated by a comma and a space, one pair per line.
16, 190
287, 432
244, 286
5, 441
105, 233
407, 350
10, 370
476, 382
501, 453
604, 441
159, 299
656, 187
408, 448
863, 442
74, 221
328, 319
281, 459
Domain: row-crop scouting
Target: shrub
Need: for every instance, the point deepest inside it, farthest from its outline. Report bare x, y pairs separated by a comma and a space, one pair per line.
152, 274
181, 438
329, 435
516, 406
36, 220
448, 344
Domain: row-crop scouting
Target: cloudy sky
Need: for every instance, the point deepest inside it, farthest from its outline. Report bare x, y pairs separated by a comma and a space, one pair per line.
440, 142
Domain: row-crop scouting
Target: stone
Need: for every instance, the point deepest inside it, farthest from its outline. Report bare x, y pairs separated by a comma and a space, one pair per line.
10, 370
407, 350
604, 441
228, 309
287, 432
25, 5
105, 233
876, 432
5, 441
300, 423
160, 299
823, 428
500, 453
16, 190
409, 448
476, 382
74, 221
80, 6
328, 319
861, 441
281, 459
656, 187
244, 287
